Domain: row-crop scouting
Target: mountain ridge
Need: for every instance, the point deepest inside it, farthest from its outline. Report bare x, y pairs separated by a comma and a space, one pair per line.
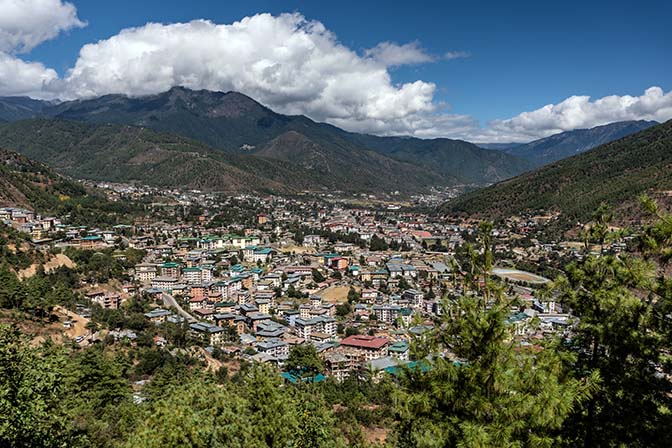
236, 124
566, 144
615, 173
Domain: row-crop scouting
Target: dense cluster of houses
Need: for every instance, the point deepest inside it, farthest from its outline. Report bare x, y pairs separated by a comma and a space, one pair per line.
257, 290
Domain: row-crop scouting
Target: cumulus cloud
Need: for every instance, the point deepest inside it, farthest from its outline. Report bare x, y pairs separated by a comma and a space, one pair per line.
286, 62
24, 24
391, 54
18, 77
578, 112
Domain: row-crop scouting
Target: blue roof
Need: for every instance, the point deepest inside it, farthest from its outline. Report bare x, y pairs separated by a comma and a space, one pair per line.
295, 379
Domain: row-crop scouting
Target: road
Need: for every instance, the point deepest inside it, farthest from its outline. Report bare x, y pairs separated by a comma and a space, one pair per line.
170, 301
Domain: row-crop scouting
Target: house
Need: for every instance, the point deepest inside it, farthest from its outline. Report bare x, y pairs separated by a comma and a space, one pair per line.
369, 295
262, 255
399, 350
270, 329
320, 324
304, 311
192, 275
312, 240
264, 305
368, 347
196, 303
158, 315
254, 319
414, 297
275, 347
387, 313
204, 314
107, 301
213, 334
315, 301
164, 283
170, 269
341, 364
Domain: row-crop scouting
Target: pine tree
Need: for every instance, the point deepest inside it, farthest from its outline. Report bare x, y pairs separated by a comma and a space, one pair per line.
487, 390
618, 335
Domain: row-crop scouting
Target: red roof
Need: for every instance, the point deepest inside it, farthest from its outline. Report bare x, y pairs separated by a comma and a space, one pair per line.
362, 341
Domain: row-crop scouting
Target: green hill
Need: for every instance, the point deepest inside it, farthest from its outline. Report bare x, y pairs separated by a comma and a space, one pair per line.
566, 144
615, 173
462, 161
236, 124
134, 154
29, 184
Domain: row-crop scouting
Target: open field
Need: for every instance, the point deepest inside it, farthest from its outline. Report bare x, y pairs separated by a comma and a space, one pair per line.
516, 275
335, 294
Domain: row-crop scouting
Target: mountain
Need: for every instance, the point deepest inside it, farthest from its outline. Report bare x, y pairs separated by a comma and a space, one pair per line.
236, 124
14, 108
615, 173
498, 146
24, 182
460, 160
134, 154
566, 144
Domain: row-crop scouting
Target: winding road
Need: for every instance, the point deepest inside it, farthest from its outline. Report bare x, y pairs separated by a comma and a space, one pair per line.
170, 301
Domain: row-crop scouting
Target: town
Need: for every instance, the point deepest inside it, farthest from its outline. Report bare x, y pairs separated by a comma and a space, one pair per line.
250, 278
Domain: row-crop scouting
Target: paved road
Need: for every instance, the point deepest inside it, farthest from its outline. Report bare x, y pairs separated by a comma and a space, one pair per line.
170, 301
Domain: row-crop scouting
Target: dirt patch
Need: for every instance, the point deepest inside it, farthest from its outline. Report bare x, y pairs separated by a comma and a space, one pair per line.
375, 435
335, 294
213, 364
55, 262
78, 323
42, 330
296, 249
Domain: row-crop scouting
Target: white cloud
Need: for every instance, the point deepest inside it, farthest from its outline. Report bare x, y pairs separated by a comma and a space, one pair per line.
456, 55
18, 77
391, 54
285, 62
577, 112
24, 24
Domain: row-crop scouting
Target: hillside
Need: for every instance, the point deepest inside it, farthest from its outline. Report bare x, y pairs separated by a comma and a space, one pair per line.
29, 184
236, 124
615, 173
463, 161
566, 144
133, 154
14, 108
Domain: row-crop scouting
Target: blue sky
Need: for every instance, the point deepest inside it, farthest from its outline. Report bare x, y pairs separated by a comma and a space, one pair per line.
521, 55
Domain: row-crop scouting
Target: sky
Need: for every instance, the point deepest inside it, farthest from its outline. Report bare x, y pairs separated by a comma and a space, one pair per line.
481, 71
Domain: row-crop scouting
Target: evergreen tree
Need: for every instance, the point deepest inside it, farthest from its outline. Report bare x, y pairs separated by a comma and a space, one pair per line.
619, 335
488, 391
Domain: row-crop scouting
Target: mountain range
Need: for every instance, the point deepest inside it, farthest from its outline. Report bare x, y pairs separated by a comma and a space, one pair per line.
232, 124
228, 142
566, 144
615, 173
134, 154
